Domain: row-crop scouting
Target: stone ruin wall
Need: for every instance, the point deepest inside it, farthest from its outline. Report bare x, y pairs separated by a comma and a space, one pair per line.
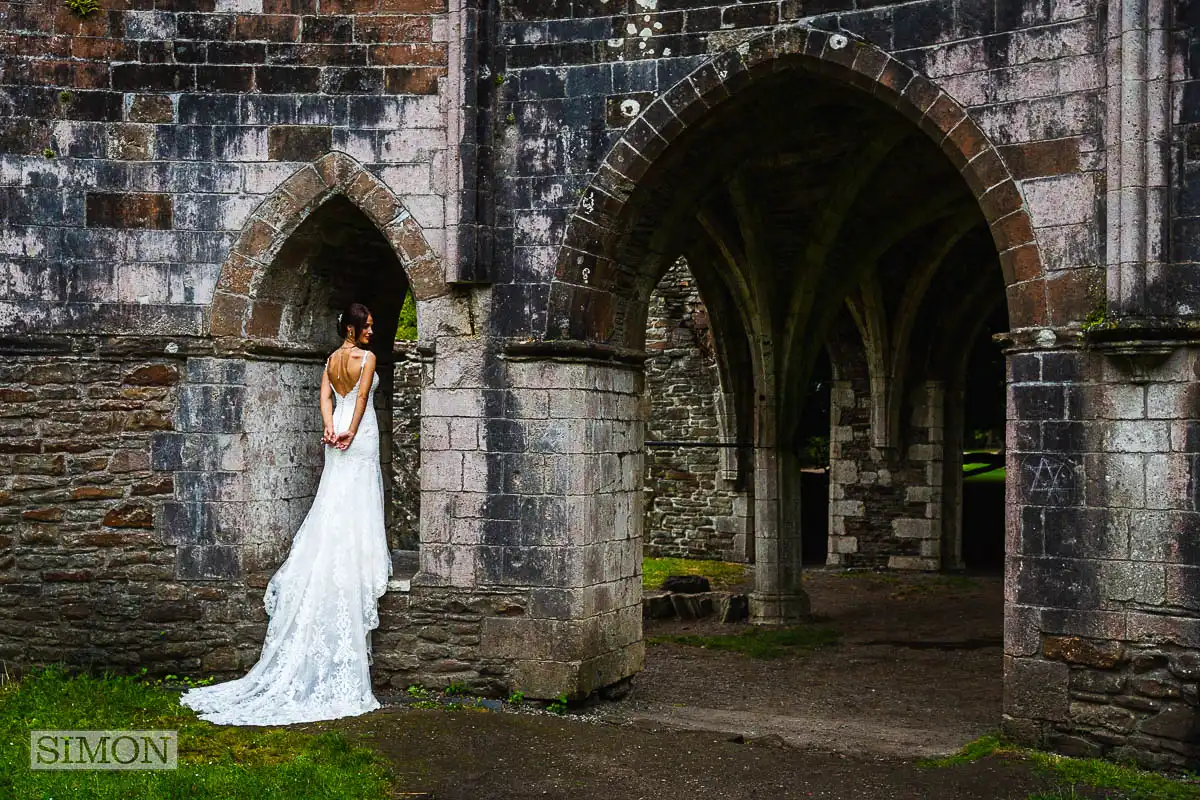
689, 503
405, 511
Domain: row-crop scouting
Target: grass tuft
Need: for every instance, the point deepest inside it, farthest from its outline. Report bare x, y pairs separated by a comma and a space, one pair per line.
758, 642
723, 575
214, 761
1129, 782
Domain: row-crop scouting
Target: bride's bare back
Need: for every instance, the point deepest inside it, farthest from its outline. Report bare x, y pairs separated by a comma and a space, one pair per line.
346, 369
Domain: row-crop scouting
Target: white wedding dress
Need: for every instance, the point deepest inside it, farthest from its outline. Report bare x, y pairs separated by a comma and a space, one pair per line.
322, 600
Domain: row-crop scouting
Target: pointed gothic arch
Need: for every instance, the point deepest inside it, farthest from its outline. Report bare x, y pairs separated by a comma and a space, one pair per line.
592, 299
237, 309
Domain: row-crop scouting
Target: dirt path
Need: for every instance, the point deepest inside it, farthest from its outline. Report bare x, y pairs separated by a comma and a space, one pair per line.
507, 756
917, 672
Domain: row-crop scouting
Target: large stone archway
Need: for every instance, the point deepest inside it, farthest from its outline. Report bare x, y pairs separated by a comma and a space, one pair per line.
631, 223
591, 291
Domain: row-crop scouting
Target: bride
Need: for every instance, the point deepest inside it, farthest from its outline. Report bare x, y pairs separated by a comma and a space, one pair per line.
322, 602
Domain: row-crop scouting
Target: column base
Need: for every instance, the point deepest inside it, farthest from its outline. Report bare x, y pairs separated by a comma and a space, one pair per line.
779, 609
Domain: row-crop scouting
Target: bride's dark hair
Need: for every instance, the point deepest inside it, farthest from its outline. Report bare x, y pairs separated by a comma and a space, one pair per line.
355, 316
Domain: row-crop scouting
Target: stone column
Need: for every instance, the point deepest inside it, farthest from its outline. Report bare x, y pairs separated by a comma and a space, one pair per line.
565, 522
778, 597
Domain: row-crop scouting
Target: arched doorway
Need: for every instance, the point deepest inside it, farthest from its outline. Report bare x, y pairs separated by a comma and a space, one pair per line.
827, 200
331, 234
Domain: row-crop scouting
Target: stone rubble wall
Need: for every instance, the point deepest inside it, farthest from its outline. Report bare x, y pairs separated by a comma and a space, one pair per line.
404, 520
689, 503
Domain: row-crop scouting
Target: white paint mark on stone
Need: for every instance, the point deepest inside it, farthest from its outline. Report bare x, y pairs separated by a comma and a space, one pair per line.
743, 48
589, 202
631, 29
1045, 337
648, 4
645, 33
615, 42
838, 41
657, 25
587, 273
666, 52
642, 44
724, 73
171, 347
630, 107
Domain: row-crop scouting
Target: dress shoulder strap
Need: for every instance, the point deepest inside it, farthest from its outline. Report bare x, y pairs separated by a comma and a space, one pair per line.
362, 365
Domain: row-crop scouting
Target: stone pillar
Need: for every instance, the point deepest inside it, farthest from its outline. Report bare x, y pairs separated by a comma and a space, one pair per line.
885, 510
1102, 635
778, 597
564, 521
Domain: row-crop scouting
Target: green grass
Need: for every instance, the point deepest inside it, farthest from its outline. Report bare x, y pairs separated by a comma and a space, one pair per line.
721, 574
995, 476
215, 762
758, 642
1129, 782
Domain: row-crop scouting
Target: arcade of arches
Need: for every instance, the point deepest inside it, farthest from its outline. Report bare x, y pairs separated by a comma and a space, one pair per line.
874, 204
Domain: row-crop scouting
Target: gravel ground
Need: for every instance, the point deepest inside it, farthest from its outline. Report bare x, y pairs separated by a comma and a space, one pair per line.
917, 672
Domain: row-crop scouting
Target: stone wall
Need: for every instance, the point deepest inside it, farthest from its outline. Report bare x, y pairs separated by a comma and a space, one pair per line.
83, 567
885, 507
405, 498
689, 502
151, 135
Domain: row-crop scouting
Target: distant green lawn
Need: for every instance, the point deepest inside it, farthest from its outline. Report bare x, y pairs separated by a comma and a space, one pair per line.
995, 476
721, 574
215, 762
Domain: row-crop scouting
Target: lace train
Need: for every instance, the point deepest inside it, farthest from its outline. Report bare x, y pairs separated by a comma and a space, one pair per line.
322, 602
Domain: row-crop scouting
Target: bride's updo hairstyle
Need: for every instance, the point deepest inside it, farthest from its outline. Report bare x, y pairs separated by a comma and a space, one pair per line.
355, 316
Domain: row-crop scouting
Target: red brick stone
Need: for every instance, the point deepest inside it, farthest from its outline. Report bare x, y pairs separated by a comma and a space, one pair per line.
380, 206
298, 142
1074, 650
1042, 159
151, 108
153, 375
393, 28
146, 420
63, 576
1012, 231
228, 311
1021, 264
412, 6
256, 240
412, 80
349, 6
1027, 304
1072, 294
264, 319
1000, 201
161, 485
130, 516
305, 186
267, 27
398, 55
237, 274
43, 514
97, 493
111, 210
